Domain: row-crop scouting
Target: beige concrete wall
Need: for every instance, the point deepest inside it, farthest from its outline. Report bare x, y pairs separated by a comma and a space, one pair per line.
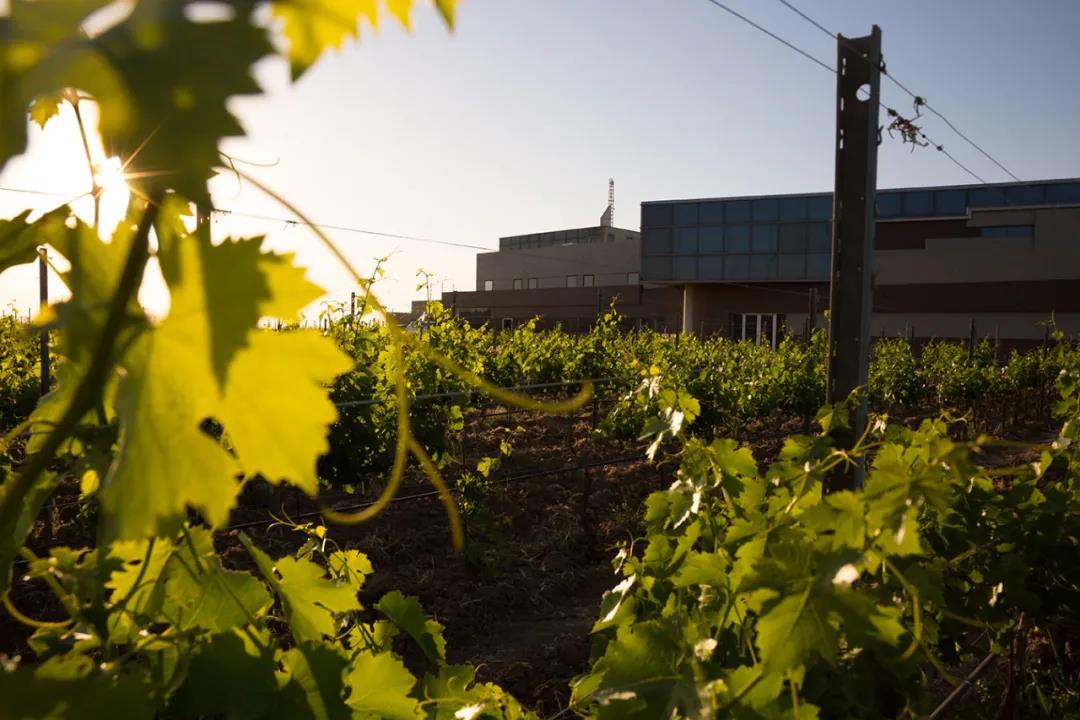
607, 262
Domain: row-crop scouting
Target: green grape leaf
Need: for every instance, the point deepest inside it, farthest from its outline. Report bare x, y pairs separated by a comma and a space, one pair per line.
794, 628
640, 667
311, 27
407, 614
207, 360
315, 686
280, 434
18, 245
12, 537
352, 566
229, 675
67, 688
453, 694
380, 688
308, 598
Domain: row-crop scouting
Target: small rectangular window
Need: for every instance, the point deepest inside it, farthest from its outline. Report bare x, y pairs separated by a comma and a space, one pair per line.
571, 281
517, 283
587, 281
489, 285
633, 278
508, 323
532, 283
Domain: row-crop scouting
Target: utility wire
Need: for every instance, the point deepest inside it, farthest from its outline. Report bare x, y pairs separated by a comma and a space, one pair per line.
771, 34
919, 100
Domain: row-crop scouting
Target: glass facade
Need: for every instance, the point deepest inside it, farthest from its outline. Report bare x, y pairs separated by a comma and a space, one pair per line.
782, 238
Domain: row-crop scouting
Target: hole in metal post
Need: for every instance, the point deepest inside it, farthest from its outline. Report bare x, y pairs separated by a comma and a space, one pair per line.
863, 92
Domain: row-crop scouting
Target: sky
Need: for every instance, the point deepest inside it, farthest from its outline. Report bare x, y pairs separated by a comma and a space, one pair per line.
514, 122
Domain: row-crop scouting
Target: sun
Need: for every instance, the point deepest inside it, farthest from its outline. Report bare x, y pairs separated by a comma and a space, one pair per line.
109, 174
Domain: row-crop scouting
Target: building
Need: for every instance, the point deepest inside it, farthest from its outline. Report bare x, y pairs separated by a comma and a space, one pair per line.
1006, 256
579, 258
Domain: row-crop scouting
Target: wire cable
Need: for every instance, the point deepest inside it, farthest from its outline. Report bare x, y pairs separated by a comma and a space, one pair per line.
919, 100
771, 34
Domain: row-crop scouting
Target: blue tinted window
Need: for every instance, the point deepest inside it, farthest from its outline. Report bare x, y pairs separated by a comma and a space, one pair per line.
655, 215
1024, 195
766, 209
685, 267
656, 268
918, 203
793, 237
1063, 193
737, 238
686, 214
986, 197
888, 204
792, 267
656, 242
711, 267
737, 211
737, 267
951, 202
1009, 231
686, 240
763, 238
763, 267
818, 266
819, 207
818, 238
793, 208
710, 240
711, 213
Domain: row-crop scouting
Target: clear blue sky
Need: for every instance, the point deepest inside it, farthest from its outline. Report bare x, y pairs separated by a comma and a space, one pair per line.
514, 122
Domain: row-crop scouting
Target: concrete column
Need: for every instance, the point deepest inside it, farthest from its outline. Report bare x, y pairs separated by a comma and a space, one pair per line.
693, 308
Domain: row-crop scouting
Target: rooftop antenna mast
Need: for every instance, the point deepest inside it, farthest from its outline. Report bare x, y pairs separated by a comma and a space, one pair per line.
611, 201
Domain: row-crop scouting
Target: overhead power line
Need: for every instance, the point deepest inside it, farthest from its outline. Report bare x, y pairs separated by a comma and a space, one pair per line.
918, 100
771, 34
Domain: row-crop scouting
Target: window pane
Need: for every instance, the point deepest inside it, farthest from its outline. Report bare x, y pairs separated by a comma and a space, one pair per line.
766, 209
737, 267
792, 267
1024, 195
711, 267
532, 283
918, 203
711, 213
793, 208
793, 237
686, 214
763, 239
818, 238
657, 242
888, 204
686, 240
656, 215
571, 281
517, 283
1063, 193
587, 280
710, 240
818, 266
656, 268
951, 202
763, 267
819, 207
737, 211
685, 267
737, 238
986, 197
632, 278
489, 284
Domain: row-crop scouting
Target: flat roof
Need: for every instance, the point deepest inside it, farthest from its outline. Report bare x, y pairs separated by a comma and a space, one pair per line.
967, 186
562, 230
